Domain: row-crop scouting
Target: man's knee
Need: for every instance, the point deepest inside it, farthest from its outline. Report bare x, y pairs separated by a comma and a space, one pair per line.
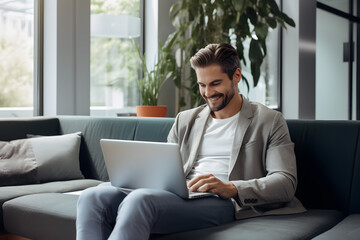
99, 195
142, 198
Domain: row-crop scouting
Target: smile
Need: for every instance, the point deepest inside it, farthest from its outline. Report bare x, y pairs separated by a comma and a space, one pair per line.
214, 98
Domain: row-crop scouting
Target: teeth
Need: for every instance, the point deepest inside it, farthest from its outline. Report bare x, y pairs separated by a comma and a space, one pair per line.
214, 98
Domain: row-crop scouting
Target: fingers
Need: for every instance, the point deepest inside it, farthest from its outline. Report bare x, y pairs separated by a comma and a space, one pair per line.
198, 178
209, 183
204, 183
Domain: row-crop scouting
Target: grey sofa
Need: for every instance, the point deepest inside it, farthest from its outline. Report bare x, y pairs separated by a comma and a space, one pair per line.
328, 159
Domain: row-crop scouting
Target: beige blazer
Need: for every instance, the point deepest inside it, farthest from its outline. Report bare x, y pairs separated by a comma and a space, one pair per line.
262, 162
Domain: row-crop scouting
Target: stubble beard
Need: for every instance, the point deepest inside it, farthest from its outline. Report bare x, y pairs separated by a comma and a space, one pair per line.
226, 99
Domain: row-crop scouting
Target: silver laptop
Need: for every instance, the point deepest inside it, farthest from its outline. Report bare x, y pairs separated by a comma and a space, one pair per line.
139, 164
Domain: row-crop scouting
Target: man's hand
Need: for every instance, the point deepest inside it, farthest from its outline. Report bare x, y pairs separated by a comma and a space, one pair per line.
209, 183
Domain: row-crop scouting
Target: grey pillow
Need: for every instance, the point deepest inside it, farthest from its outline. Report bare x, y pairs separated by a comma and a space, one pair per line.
57, 157
40, 159
17, 163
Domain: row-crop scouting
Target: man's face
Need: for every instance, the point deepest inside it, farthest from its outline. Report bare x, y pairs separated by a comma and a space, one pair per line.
215, 86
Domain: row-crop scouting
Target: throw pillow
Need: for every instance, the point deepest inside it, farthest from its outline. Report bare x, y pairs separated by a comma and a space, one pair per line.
40, 159
57, 157
17, 163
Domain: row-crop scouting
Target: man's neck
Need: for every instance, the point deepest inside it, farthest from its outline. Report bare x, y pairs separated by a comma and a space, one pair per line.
233, 107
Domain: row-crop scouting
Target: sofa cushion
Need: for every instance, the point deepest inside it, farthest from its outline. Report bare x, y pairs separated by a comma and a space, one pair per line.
296, 226
325, 156
56, 215
11, 192
348, 229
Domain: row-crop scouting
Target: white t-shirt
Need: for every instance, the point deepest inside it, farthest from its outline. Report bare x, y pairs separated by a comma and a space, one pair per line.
215, 149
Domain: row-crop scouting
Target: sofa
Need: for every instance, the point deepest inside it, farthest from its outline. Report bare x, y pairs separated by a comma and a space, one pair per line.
328, 161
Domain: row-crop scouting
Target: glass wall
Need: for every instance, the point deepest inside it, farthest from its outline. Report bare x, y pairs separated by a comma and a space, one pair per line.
114, 69
16, 57
336, 60
331, 70
342, 5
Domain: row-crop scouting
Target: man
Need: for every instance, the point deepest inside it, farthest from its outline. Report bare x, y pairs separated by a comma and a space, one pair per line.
237, 149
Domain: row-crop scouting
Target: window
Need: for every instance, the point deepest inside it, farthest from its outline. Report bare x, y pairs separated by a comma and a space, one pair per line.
16, 57
267, 90
114, 63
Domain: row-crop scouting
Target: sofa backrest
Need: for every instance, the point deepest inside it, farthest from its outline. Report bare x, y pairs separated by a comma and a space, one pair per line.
18, 128
95, 128
327, 154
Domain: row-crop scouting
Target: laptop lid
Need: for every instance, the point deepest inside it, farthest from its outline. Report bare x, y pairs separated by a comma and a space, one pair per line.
140, 164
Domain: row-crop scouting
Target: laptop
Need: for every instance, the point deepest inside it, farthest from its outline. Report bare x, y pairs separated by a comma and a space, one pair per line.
140, 164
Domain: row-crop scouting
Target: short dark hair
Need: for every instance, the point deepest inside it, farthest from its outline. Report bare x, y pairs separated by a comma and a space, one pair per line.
222, 54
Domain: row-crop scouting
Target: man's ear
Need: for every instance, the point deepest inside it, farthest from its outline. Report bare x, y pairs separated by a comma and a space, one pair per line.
237, 76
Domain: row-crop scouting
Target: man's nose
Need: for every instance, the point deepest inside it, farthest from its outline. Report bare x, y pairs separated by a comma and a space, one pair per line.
208, 91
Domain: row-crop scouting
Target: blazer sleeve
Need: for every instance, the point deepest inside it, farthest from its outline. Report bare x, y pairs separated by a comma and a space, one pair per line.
173, 134
279, 182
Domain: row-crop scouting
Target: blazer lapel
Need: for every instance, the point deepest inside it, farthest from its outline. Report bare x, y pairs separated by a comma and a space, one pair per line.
246, 114
197, 135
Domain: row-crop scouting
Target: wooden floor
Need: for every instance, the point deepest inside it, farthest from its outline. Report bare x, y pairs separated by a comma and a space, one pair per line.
12, 237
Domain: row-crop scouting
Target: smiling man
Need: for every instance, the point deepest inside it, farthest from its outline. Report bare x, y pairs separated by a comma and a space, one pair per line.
230, 146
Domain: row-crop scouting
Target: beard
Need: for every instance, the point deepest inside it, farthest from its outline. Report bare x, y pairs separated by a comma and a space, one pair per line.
226, 99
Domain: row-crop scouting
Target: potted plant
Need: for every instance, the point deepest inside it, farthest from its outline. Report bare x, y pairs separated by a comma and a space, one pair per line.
153, 80
198, 23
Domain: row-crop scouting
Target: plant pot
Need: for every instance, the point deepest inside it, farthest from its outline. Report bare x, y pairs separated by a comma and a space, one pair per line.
151, 111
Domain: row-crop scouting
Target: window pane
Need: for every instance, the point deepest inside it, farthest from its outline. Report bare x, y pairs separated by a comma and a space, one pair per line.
114, 68
266, 91
332, 72
16, 57
342, 5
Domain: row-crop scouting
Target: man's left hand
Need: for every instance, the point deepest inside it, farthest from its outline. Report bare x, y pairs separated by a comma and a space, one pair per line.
209, 183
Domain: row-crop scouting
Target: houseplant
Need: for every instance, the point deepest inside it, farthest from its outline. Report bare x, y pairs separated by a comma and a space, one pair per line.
153, 79
201, 22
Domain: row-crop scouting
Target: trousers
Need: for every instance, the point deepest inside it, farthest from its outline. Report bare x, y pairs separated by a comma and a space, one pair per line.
107, 212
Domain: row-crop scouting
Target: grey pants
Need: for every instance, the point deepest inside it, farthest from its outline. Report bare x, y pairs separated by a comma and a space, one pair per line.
106, 212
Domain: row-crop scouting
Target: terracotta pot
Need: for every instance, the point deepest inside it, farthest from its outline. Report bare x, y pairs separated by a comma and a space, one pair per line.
151, 111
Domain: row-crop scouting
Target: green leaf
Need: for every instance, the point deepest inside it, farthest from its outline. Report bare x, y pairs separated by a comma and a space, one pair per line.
261, 30
174, 9
255, 53
288, 20
239, 5
271, 21
263, 45
255, 72
170, 41
274, 7
252, 15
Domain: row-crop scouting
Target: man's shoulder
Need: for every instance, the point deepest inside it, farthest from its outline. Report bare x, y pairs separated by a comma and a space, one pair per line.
192, 113
262, 112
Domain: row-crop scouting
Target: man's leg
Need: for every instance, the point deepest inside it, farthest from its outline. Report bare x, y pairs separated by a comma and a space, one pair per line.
148, 210
97, 210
